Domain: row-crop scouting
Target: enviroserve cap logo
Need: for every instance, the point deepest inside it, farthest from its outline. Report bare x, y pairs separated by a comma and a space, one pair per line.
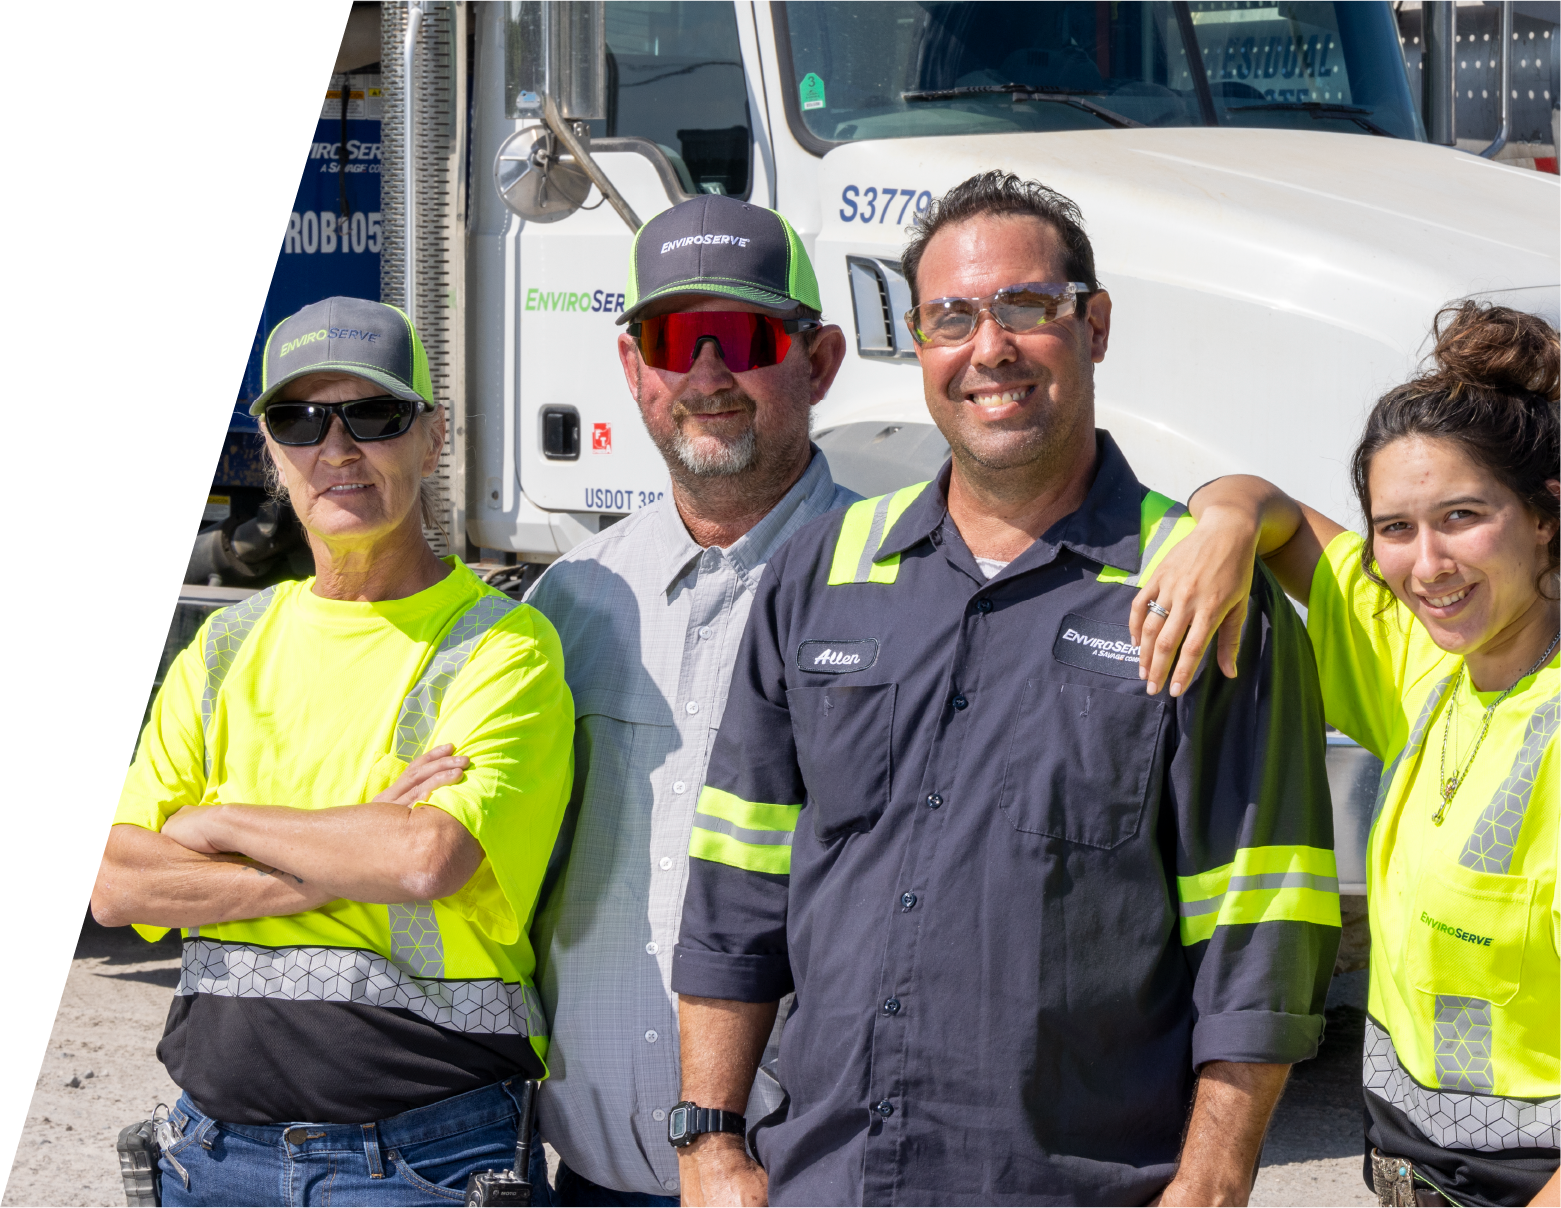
837, 657
327, 333
672, 245
1096, 646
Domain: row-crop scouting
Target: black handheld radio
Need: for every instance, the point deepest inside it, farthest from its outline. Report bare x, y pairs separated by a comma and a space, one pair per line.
507, 1187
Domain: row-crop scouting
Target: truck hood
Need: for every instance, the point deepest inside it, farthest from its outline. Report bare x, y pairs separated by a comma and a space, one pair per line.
1268, 285
1355, 230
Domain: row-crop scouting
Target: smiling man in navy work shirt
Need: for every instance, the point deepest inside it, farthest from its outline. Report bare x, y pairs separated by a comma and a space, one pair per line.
1032, 914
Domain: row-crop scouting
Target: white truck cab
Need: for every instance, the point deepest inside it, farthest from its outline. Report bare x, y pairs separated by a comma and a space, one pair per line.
1275, 233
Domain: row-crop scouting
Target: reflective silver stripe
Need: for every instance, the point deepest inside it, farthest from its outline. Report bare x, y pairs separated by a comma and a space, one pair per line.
1161, 535
1261, 880
226, 633
420, 709
741, 833
864, 564
1489, 847
482, 1005
415, 942
1416, 737
1463, 1044
1454, 1120
1284, 880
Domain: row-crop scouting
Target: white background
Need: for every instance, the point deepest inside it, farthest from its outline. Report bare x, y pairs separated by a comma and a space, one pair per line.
151, 155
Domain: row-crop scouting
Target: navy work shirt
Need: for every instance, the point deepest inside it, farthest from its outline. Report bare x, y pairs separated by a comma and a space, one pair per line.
1020, 900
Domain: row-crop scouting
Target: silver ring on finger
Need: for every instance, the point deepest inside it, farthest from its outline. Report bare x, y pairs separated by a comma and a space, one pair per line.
1154, 607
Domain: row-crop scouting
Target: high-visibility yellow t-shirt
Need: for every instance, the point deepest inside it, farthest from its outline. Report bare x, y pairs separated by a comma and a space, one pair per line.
307, 716
1465, 973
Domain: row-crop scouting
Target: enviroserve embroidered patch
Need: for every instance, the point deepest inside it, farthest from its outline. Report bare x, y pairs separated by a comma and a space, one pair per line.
1096, 646
837, 657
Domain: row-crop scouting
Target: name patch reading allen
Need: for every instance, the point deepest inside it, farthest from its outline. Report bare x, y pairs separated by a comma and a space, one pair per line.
1096, 646
838, 657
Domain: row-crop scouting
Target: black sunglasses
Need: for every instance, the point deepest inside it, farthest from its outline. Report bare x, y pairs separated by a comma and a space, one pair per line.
384, 417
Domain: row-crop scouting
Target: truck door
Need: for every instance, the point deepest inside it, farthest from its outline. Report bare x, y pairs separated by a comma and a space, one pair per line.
682, 119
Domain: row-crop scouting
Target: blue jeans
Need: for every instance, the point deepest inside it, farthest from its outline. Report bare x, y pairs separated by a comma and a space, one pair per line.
575, 1191
419, 1157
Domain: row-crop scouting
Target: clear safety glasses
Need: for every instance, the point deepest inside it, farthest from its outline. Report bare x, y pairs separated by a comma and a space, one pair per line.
943, 322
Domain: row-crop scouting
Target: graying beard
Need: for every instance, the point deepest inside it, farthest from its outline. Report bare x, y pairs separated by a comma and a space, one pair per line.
720, 462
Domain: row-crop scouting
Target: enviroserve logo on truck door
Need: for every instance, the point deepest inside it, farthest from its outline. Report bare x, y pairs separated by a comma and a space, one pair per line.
596, 301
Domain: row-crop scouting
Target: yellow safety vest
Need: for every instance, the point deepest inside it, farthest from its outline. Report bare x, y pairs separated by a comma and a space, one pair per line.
1462, 1031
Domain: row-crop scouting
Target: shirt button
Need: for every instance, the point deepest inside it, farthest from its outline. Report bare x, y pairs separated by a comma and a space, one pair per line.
933, 801
884, 1108
666, 863
983, 605
891, 1006
652, 1036
959, 702
653, 947
659, 1114
678, 786
907, 900
704, 632
693, 707
671, 1184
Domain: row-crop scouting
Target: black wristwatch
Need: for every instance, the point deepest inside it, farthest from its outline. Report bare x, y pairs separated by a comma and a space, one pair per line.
687, 1122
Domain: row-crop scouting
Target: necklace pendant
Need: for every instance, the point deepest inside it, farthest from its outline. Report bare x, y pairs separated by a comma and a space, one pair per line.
1436, 818
1449, 789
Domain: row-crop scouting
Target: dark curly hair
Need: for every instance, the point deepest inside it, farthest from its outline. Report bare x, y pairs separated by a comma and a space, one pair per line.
1493, 392
1000, 193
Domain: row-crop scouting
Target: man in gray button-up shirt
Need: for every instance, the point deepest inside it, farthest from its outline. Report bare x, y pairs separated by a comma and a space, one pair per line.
650, 613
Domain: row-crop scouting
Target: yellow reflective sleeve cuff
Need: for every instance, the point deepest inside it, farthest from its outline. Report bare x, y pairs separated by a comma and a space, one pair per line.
743, 834
149, 933
862, 531
1162, 523
1262, 885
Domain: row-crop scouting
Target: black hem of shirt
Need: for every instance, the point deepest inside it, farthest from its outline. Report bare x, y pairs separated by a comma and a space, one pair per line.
1508, 1176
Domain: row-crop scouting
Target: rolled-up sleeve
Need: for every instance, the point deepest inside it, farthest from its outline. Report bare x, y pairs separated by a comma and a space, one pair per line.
732, 944
1257, 887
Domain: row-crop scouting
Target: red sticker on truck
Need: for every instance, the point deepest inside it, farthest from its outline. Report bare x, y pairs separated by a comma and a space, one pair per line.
601, 438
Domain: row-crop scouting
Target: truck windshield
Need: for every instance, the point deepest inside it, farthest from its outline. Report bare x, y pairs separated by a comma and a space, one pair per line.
908, 68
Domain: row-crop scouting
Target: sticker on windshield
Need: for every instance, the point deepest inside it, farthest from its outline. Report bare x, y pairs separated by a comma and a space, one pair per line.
811, 90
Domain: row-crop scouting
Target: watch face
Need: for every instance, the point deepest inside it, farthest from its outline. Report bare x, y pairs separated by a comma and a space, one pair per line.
677, 1125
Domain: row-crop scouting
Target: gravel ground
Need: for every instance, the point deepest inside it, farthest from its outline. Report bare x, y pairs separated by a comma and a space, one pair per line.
117, 997
110, 1018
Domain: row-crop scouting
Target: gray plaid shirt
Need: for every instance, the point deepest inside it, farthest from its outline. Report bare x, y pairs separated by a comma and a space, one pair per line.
650, 625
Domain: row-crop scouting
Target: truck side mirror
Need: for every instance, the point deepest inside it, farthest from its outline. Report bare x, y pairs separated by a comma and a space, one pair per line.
558, 49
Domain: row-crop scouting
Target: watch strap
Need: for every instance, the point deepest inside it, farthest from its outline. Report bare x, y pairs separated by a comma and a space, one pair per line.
714, 1120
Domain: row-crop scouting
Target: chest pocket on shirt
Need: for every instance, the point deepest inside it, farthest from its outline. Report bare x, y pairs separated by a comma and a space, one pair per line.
1468, 931
843, 734
1079, 763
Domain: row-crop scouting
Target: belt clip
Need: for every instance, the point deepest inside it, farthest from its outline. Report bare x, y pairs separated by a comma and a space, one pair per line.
1393, 1180
168, 1134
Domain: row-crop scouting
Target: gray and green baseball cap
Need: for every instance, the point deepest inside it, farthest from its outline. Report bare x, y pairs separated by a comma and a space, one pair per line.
346, 335
718, 245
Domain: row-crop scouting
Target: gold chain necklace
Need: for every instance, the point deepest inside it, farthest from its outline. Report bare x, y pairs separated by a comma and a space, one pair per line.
1449, 784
